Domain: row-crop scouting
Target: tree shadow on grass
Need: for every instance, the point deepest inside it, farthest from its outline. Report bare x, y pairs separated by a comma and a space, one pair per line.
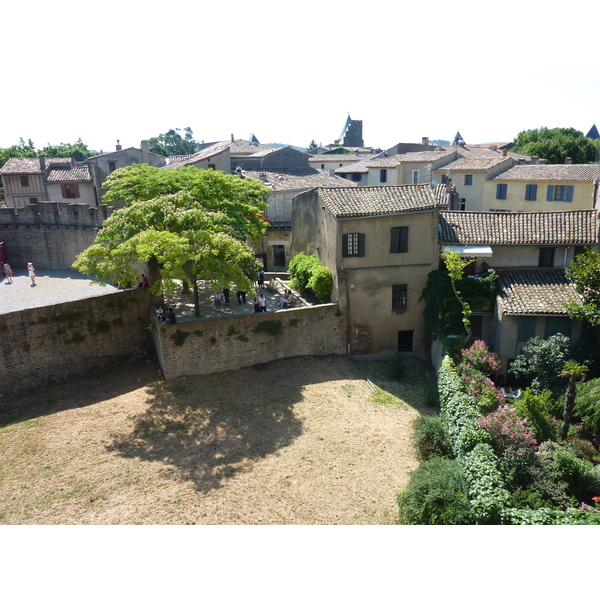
213, 427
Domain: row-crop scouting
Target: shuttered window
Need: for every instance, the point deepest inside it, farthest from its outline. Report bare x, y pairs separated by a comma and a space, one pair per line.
70, 190
399, 241
353, 244
560, 193
501, 191
468, 179
531, 191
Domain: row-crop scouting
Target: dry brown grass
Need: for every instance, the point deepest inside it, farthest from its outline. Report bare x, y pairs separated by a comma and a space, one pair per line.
299, 441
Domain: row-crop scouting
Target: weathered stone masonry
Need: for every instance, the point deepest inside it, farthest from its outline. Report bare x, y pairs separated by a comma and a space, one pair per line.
53, 342
49, 234
207, 347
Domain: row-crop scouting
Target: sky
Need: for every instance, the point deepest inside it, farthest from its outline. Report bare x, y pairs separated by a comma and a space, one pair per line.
292, 72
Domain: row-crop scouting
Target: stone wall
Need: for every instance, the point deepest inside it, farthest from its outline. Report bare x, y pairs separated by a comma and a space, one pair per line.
207, 347
54, 342
49, 234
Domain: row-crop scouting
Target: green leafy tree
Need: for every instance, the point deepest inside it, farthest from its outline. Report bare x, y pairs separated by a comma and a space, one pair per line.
311, 146
556, 144
587, 405
574, 372
78, 150
584, 274
456, 265
542, 361
21, 150
193, 222
173, 143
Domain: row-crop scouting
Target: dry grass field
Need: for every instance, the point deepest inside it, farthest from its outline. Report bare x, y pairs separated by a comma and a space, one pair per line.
297, 441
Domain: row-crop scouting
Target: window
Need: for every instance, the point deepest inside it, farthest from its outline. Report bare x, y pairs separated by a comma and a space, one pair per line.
444, 179
70, 190
356, 177
399, 296
405, 341
531, 191
415, 176
559, 193
546, 258
526, 329
501, 191
112, 166
383, 176
399, 242
468, 179
322, 167
556, 325
462, 204
24, 180
353, 244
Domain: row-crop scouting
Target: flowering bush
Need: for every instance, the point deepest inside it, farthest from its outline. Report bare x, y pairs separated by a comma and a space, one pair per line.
512, 441
479, 358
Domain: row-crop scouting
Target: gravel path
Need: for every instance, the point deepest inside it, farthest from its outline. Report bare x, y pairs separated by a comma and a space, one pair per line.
52, 287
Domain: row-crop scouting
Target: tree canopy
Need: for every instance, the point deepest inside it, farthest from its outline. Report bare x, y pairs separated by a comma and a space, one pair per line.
193, 222
172, 143
556, 144
23, 149
584, 274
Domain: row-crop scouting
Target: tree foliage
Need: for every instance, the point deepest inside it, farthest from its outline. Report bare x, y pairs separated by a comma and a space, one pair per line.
542, 361
79, 151
584, 274
173, 143
307, 271
21, 150
556, 144
194, 223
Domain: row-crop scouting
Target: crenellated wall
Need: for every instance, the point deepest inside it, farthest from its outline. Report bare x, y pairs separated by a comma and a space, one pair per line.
49, 234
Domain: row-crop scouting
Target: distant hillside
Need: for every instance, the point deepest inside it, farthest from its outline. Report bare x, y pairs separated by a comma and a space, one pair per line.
284, 145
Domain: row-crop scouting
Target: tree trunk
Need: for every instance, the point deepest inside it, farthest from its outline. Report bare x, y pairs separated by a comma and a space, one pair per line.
185, 287
569, 406
196, 299
468, 329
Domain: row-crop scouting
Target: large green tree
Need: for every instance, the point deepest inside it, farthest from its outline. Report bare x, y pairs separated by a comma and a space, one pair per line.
21, 150
194, 223
584, 274
173, 143
79, 151
556, 144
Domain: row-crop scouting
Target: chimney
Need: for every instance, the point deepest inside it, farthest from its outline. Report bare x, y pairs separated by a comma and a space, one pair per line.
568, 160
505, 152
119, 146
535, 160
42, 164
232, 138
73, 165
425, 141
144, 149
494, 148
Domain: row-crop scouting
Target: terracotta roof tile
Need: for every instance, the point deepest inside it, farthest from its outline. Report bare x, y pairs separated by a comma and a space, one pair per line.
534, 291
30, 166
562, 227
550, 173
381, 200
474, 163
298, 179
77, 174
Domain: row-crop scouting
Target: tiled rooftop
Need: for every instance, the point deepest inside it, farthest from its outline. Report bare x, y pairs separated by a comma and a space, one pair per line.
534, 291
474, 163
180, 161
77, 174
381, 200
550, 173
30, 166
288, 180
578, 227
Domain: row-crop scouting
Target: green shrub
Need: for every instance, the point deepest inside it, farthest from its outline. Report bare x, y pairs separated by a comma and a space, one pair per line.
300, 269
587, 405
536, 409
430, 438
321, 282
435, 495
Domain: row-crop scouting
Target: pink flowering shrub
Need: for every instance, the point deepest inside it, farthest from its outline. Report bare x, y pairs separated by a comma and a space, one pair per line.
479, 358
512, 440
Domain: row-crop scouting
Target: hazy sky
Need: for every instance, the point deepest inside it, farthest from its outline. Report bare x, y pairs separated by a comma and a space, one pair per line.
291, 72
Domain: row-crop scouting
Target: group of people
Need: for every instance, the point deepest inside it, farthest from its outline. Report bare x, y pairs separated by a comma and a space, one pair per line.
169, 318
8, 272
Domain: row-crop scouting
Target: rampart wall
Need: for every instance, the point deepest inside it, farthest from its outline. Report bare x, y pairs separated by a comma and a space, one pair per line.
49, 234
207, 347
54, 342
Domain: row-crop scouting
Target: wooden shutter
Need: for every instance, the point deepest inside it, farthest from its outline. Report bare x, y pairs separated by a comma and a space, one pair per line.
399, 241
63, 189
501, 191
531, 191
344, 245
361, 244
569, 193
550, 193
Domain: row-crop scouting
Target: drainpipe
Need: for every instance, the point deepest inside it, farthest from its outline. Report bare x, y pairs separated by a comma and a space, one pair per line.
565, 257
346, 273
